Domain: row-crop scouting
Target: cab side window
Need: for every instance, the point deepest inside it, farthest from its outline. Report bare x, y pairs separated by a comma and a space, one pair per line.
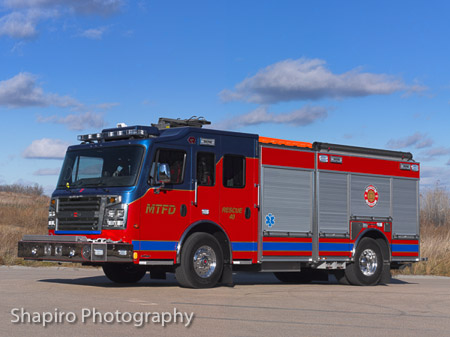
176, 159
233, 171
205, 169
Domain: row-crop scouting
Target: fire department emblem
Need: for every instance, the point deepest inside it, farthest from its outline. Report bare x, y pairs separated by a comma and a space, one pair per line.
371, 195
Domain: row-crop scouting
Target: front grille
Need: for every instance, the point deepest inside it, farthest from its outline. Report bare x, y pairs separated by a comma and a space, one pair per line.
80, 213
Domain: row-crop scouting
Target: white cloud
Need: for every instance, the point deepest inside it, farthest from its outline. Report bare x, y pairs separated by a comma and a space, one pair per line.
46, 148
418, 140
106, 106
25, 15
94, 33
309, 79
430, 175
23, 91
434, 153
47, 172
23, 24
301, 117
96, 7
18, 25
77, 121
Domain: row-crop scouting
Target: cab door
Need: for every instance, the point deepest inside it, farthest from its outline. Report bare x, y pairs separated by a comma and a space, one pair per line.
238, 179
164, 208
205, 204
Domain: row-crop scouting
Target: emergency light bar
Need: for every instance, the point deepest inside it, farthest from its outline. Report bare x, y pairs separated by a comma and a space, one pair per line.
137, 131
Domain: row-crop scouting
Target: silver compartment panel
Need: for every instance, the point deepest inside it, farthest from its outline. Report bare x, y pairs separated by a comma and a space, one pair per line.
333, 203
287, 195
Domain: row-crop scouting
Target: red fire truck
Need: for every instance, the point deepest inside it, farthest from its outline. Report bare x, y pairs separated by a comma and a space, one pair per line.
203, 203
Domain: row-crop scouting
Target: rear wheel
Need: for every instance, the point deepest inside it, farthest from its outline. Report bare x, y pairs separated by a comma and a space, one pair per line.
123, 272
201, 262
368, 264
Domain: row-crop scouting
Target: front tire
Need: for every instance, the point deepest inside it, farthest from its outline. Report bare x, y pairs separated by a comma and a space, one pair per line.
123, 272
368, 264
201, 262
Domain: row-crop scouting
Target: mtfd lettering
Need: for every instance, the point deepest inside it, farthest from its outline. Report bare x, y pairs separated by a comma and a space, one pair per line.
160, 209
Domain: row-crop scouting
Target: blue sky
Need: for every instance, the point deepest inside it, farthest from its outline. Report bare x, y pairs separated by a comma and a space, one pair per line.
373, 74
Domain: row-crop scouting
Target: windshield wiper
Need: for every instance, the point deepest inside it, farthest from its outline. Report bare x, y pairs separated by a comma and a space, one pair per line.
98, 185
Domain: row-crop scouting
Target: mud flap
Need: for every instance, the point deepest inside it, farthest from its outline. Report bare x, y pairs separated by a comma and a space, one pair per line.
227, 276
386, 273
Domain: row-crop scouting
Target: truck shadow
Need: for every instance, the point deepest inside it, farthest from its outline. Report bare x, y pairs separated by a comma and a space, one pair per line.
241, 279
104, 282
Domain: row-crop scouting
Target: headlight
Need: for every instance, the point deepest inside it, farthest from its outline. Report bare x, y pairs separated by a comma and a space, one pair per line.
115, 216
52, 214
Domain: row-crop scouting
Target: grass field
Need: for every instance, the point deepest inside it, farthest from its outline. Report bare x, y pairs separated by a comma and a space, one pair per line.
434, 234
27, 214
20, 214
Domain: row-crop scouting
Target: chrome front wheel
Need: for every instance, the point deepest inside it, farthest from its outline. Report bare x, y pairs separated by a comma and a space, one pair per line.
205, 261
201, 262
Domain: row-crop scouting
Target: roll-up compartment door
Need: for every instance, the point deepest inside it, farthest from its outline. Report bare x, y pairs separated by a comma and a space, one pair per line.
286, 200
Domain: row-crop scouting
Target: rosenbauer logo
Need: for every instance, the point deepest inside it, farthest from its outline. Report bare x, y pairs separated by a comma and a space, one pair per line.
371, 195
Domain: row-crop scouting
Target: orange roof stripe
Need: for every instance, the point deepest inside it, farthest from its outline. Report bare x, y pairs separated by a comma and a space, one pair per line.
267, 140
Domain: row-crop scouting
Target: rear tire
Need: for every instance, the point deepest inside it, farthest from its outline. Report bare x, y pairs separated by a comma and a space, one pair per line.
123, 272
201, 262
368, 264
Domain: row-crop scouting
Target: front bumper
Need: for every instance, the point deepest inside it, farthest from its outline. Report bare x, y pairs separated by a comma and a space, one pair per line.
70, 248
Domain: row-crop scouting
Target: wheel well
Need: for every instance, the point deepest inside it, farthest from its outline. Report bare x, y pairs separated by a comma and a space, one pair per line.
382, 241
214, 230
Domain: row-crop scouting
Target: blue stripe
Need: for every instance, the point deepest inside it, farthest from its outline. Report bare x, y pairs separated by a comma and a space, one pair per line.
244, 246
335, 247
287, 246
79, 232
405, 248
155, 245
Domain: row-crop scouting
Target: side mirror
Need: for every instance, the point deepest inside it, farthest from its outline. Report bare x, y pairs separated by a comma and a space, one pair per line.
163, 174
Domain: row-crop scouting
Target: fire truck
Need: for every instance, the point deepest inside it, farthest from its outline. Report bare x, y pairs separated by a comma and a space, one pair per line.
174, 197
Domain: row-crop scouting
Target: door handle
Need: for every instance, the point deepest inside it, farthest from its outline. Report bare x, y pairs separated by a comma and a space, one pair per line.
259, 191
195, 193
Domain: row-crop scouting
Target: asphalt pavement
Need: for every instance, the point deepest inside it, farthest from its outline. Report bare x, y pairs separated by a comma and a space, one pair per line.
62, 301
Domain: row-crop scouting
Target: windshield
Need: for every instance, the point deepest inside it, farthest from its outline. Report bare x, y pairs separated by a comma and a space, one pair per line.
103, 167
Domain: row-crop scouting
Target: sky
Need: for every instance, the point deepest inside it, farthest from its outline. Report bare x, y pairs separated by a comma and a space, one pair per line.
361, 73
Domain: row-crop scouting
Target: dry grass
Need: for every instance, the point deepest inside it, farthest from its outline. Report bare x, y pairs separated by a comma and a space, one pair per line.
22, 214
434, 234
435, 245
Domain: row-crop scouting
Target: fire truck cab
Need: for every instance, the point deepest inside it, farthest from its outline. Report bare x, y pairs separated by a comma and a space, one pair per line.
202, 203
